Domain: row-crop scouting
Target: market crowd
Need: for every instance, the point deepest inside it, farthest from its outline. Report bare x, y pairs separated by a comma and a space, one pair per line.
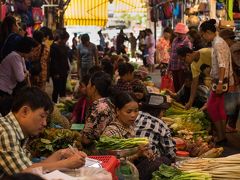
112, 98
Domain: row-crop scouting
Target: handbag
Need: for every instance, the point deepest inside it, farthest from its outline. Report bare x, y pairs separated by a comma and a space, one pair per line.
224, 85
225, 82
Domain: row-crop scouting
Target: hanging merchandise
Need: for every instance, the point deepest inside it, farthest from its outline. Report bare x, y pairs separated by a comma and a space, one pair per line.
221, 11
37, 3
154, 14
176, 10
161, 13
37, 15
3, 11
203, 6
153, 3
229, 4
193, 21
168, 10
226, 24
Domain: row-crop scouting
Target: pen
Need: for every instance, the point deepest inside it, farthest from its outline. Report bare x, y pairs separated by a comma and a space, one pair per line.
89, 159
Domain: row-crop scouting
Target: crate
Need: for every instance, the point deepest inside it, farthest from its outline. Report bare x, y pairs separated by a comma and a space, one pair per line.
110, 163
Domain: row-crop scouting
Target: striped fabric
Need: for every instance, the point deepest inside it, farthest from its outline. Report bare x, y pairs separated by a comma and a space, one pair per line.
86, 13
13, 155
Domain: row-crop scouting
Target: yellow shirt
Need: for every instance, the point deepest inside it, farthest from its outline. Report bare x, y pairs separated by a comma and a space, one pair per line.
205, 58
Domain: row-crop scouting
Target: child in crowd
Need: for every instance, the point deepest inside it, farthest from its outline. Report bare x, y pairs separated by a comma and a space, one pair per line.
205, 78
183, 94
79, 112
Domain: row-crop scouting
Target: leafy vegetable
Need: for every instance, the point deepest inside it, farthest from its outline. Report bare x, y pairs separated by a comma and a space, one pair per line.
165, 173
115, 143
51, 140
171, 173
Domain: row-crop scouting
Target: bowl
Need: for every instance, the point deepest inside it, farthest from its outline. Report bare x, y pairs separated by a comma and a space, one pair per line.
121, 152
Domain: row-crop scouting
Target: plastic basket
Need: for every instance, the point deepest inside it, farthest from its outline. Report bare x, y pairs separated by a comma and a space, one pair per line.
110, 163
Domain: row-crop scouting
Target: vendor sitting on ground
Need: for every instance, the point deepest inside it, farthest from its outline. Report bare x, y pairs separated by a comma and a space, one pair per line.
101, 112
149, 124
125, 71
28, 117
195, 59
123, 127
183, 95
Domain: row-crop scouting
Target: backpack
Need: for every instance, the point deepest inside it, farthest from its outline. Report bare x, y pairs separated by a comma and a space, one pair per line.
35, 67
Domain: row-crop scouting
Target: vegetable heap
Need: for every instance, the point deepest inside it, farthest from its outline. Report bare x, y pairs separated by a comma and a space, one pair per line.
51, 140
171, 173
66, 106
115, 143
182, 119
219, 168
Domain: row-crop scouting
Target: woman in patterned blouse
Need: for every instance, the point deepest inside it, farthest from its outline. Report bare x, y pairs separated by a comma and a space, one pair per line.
124, 127
102, 111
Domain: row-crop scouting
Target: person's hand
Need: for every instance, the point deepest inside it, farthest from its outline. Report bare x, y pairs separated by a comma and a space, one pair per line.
77, 160
188, 105
219, 89
142, 149
169, 92
66, 153
203, 108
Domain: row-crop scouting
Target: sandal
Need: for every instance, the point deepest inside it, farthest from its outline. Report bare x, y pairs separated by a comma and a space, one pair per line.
229, 129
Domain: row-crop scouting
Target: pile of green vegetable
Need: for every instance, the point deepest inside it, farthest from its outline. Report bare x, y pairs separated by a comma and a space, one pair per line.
171, 173
192, 119
115, 143
66, 106
51, 140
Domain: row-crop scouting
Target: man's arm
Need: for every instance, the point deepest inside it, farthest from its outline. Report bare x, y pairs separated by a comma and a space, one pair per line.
76, 160
194, 87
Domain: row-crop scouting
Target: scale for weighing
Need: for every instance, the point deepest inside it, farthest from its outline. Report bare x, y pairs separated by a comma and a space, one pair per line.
126, 169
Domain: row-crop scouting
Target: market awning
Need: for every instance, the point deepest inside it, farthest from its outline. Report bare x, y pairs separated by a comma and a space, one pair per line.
136, 6
87, 13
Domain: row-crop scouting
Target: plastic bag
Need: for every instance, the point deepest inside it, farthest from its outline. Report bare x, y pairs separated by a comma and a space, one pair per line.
167, 83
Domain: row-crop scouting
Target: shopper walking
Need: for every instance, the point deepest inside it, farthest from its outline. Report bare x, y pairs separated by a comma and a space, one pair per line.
59, 66
87, 55
150, 45
176, 66
133, 43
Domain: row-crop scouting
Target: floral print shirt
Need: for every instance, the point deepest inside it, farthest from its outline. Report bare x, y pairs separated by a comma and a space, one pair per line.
101, 114
221, 57
163, 47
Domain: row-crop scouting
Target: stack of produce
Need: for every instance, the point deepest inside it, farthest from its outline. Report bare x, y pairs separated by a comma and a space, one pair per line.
182, 119
171, 173
66, 106
191, 127
51, 140
115, 143
219, 168
57, 119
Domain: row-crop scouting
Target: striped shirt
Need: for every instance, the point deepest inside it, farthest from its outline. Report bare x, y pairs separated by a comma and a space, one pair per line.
13, 154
